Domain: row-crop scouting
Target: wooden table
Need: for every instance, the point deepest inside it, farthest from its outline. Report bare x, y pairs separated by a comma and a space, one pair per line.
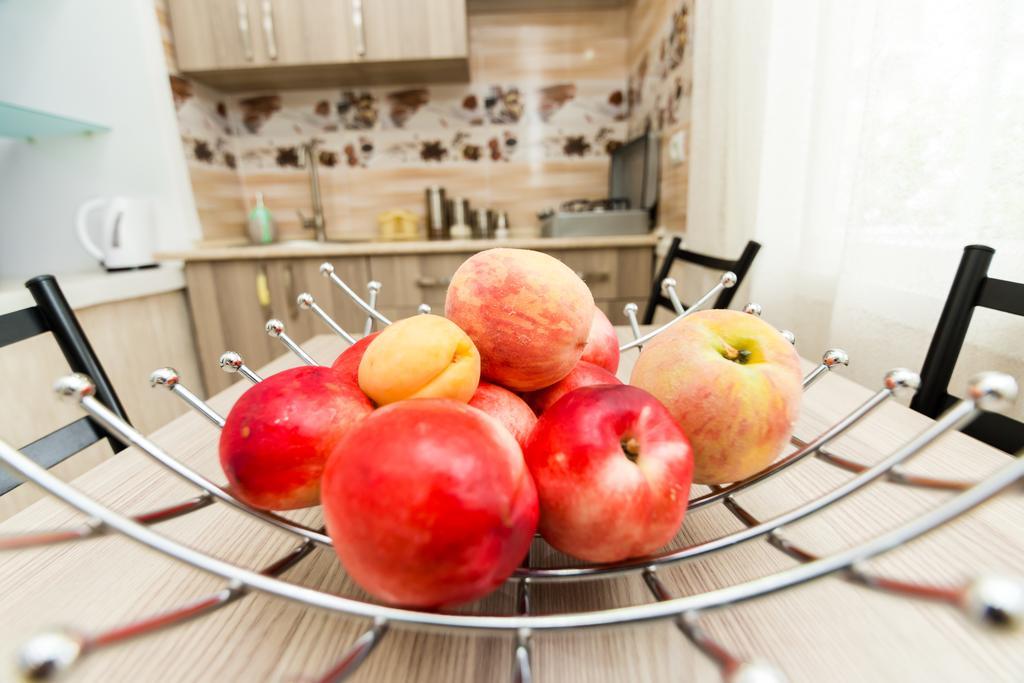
827, 630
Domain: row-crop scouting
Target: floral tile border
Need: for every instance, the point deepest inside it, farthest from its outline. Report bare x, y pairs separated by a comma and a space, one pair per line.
661, 82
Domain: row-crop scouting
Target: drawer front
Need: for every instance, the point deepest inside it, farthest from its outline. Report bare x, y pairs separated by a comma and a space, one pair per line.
290, 277
410, 280
597, 267
635, 268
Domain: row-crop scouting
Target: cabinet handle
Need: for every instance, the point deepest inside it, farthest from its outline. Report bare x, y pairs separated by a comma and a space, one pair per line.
242, 10
263, 291
359, 26
293, 295
268, 28
601, 276
433, 282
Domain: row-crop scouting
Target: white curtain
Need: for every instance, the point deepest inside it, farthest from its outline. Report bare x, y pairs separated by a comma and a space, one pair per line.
864, 144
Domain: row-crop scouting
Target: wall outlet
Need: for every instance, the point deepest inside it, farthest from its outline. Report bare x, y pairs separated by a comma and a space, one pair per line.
677, 147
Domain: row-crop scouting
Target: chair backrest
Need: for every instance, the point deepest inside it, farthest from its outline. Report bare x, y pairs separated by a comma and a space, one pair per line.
53, 314
739, 267
972, 287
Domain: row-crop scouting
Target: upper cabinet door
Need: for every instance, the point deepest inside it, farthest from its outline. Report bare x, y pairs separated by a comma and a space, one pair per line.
412, 29
293, 32
214, 34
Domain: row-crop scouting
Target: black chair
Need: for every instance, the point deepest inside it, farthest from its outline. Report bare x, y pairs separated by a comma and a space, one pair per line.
53, 314
740, 267
972, 287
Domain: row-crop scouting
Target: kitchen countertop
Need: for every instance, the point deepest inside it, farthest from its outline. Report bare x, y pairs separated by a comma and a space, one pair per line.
98, 287
298, 250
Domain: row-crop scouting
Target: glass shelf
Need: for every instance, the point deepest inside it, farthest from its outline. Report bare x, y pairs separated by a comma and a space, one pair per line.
28, 124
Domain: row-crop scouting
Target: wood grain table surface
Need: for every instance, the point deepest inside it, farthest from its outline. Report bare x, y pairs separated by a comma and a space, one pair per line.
828, 630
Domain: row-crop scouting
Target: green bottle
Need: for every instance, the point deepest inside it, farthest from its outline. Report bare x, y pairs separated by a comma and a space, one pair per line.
261, 223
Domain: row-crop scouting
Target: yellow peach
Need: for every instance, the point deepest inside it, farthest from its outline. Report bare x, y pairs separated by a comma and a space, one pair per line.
425, 356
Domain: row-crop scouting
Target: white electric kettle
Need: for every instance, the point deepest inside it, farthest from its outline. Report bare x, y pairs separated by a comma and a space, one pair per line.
127, 232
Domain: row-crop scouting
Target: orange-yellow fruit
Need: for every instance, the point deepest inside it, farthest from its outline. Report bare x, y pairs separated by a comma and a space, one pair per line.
425, 356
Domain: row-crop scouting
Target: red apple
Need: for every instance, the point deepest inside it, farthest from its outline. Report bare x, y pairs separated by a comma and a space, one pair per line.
602, 343
347, 363
583, 375
612, 471
507, 408
429, 503
733, 384
279, 433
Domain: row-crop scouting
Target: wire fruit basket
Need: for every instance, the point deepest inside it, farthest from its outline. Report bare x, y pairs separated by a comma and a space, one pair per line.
991, 600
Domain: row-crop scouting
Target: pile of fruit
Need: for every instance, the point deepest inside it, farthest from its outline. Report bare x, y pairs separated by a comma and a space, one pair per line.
439, 446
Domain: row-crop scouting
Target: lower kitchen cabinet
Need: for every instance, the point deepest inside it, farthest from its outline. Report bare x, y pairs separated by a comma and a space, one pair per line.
132, 338
232, 300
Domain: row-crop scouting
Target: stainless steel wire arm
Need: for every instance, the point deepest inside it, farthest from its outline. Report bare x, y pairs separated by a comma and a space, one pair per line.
688, 623
307, 303
727, 281
356, 654
832, 358
668, 288
373, 290
80, 389
986, 599
231, 362
1005, 477
52, 653
896, 475
168, 377
522, 651
327, 270
275, 330
985, 391
93, 527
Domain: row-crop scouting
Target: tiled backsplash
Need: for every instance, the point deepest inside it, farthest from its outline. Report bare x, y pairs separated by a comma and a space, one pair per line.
547, 101
660, 84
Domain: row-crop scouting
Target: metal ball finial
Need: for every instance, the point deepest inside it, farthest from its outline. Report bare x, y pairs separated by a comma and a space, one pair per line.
274, 327
423, 309
326, 269
630, 308
756, 671
902, 378
305, 301
48, 655
996, 601
668, 282
164, 377
230, 362
834, 357
373, 286
788, 336
76, 386
992, 390
753, 309
728, 279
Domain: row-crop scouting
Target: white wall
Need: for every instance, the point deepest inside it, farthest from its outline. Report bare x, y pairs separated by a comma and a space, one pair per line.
101, 61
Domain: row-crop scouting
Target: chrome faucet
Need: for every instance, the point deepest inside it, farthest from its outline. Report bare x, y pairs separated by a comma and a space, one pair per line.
317, 222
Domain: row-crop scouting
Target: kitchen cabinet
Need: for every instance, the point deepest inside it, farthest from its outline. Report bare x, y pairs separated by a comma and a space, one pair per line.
131, 337
246, 44
213, 34
414, 29
233, 299
226, 34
